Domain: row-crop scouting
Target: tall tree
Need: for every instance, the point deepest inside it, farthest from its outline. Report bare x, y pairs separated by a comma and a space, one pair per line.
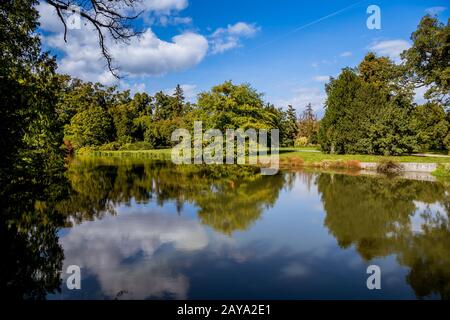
29, 127
290, 127
178, 101
428, 59
368, 110
308, 124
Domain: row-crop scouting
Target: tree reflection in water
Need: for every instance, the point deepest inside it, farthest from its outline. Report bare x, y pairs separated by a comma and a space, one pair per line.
378, 216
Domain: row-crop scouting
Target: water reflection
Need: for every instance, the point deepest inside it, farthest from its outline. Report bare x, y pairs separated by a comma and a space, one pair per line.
154, 230
31, 255
382, 216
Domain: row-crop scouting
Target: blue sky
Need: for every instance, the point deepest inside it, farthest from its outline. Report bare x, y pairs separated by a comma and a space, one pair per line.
286, 49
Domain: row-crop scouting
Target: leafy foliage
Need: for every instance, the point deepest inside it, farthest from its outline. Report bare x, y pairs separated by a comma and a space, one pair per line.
428, 59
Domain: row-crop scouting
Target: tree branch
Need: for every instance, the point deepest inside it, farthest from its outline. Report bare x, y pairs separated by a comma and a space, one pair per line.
106, 17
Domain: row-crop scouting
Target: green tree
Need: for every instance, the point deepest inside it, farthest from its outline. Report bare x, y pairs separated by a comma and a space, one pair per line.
428, 59
91, 127
308, 125
178, 103
430, 125
29, 127
290, 127
368, 110
233, 106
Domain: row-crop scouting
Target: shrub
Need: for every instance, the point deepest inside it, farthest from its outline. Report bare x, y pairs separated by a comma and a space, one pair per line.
112, 146
301, 142
85, 150
389, 167
141, 145
339, 164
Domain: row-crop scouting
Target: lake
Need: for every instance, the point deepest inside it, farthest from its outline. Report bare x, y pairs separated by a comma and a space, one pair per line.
152, 230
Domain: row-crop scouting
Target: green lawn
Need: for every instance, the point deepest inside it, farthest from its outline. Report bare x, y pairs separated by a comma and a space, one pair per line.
308, 155
311, 157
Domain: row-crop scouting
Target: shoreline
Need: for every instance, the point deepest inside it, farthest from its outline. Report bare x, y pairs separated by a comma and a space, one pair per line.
291, 158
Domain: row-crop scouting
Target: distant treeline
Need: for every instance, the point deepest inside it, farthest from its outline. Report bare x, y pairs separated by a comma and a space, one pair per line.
101, 117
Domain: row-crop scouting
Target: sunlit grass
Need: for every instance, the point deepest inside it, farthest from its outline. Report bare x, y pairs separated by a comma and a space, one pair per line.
312, 157
307, 155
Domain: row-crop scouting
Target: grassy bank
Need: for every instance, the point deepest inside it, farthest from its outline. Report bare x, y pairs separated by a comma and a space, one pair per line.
443, 171
313, 157
307, 156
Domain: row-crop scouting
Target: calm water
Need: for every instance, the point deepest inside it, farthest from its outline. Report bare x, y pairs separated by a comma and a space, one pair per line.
158, 231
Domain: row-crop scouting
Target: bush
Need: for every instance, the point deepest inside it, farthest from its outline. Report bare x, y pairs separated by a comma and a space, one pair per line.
112, 146
85, 150
389, 167
301, 142
141, 145
339, 164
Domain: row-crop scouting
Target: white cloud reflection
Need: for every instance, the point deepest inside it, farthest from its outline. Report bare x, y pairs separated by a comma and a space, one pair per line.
127, 253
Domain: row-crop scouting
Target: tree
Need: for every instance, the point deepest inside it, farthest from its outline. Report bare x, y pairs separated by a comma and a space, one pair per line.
178, 101
337, 125
164, 106
428, 59
29, 127
308, 125
368, 110
91, 127
431, 126
290, 127
233, 106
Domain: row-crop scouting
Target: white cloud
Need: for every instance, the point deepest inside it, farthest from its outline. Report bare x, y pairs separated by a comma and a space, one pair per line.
390, 48
435, 10
148, 55
321, 78
189, 91
295, 270
168, 20
162, 5
419, 95
48, 18
224, 39
346, 54
143, 55
182, 20
134, 88
304, 95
